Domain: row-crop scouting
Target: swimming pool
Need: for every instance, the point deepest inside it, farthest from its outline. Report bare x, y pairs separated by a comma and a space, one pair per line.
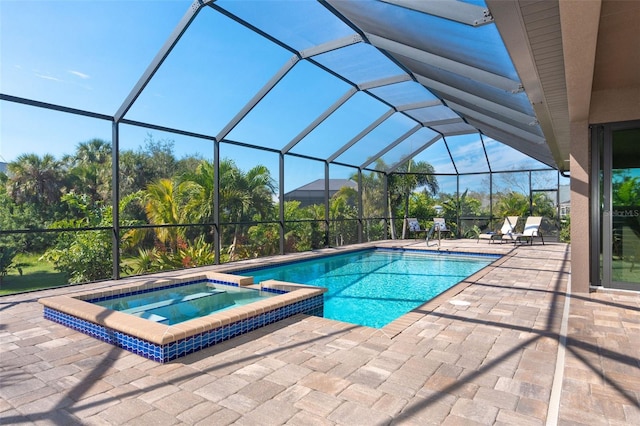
375, 287
165, 342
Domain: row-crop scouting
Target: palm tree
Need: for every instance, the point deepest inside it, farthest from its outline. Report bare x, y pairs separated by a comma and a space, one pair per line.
342, 207
466, 204
202, 204
36, 180
166, 203
512, 204
408, 177
244, 196
90, 169
373, 199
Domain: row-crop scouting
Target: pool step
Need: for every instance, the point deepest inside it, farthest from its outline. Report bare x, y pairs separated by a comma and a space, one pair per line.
152, 317
138, 310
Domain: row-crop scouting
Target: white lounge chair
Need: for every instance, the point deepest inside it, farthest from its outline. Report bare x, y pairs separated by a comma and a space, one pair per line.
508, 228
531, 230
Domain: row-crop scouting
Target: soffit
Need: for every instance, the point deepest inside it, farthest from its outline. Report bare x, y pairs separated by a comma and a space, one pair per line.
532, 34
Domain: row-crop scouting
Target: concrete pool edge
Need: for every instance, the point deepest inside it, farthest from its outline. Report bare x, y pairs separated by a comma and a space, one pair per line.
397, 326
400, 324
308, 305
164, 343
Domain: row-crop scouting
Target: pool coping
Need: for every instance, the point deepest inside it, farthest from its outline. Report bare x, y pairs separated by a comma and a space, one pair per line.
398, 325
163, 343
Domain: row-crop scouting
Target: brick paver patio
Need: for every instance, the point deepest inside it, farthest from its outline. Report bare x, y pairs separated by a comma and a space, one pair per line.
498, 355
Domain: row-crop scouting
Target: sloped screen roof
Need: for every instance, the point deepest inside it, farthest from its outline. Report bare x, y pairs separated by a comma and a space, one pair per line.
362, 83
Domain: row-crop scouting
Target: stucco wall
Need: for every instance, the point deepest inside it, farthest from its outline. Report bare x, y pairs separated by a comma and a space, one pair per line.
610, 106
580, 207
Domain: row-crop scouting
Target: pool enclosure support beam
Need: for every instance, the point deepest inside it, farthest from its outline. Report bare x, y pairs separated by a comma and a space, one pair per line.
362, 134
486, 156
360, 206
419, 105
157, 61
464, 13
115, 198
327, 223
216, 201
518, 140
387, 213
518, 131
530, 196
484, 148
458, 205
53, 107
445, 64
281, 198
316, 50
453, 163
166, 129
391, 146
491, 200
258, 97
444, 122
386, 81
331, 45
431, 141
452, 94
337, 104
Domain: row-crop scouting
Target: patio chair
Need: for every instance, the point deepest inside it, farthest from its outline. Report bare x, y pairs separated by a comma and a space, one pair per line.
439, 227
531, 230
413, 226
508, 228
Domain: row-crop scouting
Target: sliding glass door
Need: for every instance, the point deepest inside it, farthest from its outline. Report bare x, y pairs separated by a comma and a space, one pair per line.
618, 156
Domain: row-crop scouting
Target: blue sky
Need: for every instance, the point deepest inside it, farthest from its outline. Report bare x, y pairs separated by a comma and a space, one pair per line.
81, 54
89, 54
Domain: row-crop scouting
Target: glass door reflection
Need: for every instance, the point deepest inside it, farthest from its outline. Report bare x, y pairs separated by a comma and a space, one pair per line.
625, 209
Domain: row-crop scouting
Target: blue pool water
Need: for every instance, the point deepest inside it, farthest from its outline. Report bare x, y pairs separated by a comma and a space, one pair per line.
373, 288
181, 303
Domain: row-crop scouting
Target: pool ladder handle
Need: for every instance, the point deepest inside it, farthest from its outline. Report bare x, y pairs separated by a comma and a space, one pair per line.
433, 228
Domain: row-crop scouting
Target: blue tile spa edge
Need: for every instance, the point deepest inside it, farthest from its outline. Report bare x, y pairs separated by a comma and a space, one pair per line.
163, 343
179, 348
175, 285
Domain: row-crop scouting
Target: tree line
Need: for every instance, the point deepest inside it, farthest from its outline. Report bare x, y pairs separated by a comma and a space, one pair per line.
167, 210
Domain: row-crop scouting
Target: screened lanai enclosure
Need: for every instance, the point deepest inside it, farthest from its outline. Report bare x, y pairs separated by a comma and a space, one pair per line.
147, 136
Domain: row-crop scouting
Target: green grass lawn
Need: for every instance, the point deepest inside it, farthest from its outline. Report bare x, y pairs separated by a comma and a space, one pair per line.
36, 275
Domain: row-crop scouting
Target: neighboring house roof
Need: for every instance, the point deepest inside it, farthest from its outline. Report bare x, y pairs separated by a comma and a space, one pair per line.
313, 192
318, 185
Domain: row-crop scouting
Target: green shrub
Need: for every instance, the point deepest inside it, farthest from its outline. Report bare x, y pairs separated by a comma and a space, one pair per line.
565, 230
7, 263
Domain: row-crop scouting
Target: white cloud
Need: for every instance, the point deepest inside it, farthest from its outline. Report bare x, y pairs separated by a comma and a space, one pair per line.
79, 74
47, 77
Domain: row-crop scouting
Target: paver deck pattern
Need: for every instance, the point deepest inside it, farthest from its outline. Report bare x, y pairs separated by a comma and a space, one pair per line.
488, 358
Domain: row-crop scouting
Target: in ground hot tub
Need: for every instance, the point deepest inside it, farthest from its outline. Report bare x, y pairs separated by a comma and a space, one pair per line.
152, 333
